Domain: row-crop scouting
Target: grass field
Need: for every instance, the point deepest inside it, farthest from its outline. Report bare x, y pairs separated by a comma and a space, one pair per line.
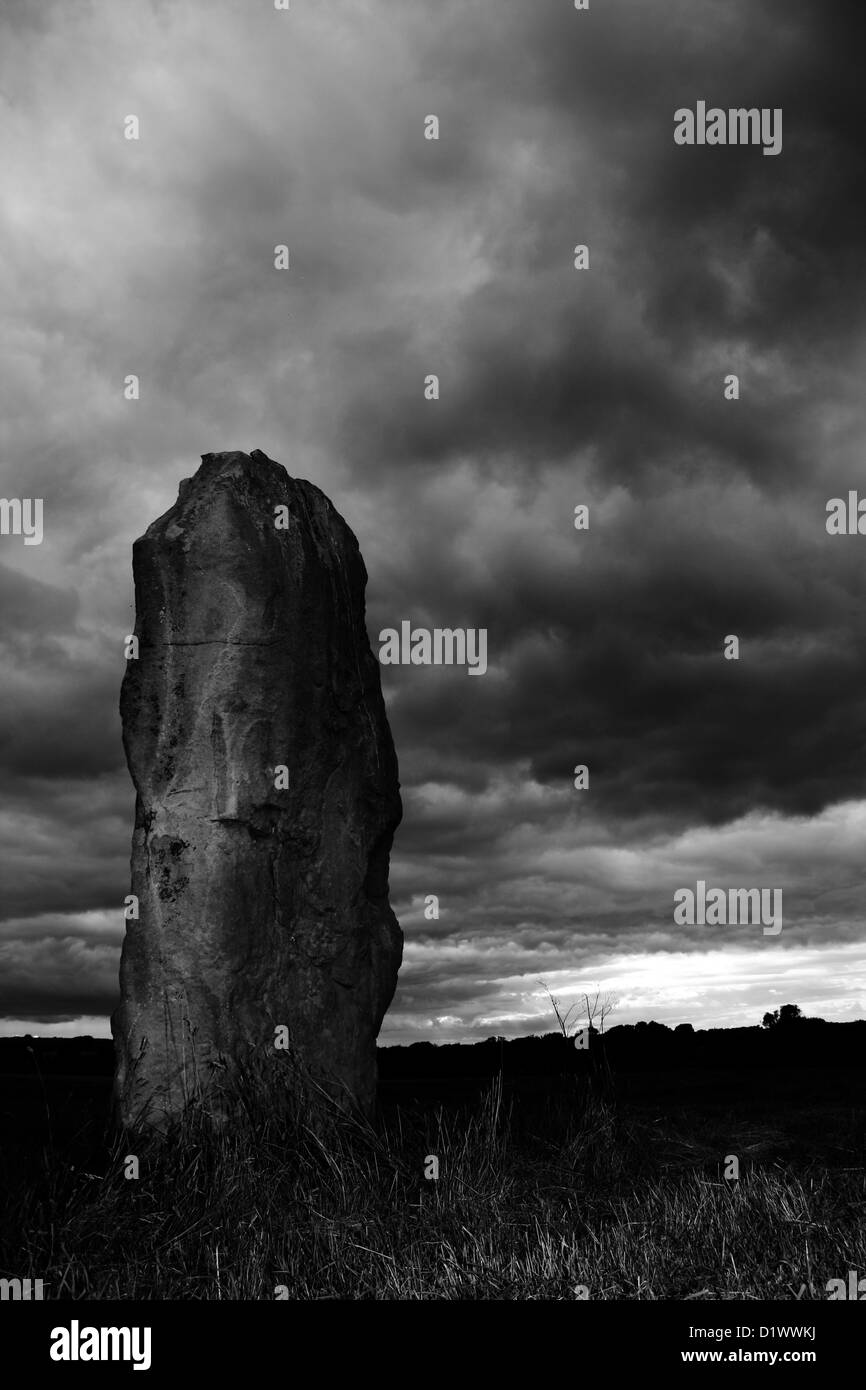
561, 1195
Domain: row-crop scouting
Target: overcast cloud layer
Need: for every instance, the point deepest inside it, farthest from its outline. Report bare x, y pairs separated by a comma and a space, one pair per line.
558, 387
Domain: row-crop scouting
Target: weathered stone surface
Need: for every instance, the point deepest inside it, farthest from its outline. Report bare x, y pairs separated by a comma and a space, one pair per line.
259, 906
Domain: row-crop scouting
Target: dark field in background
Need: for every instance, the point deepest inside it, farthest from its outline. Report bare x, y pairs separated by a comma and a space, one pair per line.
558, 1169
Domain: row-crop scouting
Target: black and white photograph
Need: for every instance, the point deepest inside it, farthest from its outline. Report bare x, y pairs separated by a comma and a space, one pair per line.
433, 694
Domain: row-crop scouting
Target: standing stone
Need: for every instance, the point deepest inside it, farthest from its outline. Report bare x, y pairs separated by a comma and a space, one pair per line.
262, 905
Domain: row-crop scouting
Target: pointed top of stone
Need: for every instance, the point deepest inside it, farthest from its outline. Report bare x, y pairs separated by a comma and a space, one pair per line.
254, 463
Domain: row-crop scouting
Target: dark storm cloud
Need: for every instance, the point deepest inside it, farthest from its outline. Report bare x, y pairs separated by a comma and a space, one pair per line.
65, 844
540, 361
31, 606
558, 387
55, 706
621, 666
53, 979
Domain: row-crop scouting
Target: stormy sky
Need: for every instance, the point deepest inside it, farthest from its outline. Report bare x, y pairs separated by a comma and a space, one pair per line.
558, 387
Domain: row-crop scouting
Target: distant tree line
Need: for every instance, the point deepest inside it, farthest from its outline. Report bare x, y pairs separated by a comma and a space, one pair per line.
785, 1038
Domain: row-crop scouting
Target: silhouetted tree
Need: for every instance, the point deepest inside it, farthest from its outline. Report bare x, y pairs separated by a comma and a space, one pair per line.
790, 1013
